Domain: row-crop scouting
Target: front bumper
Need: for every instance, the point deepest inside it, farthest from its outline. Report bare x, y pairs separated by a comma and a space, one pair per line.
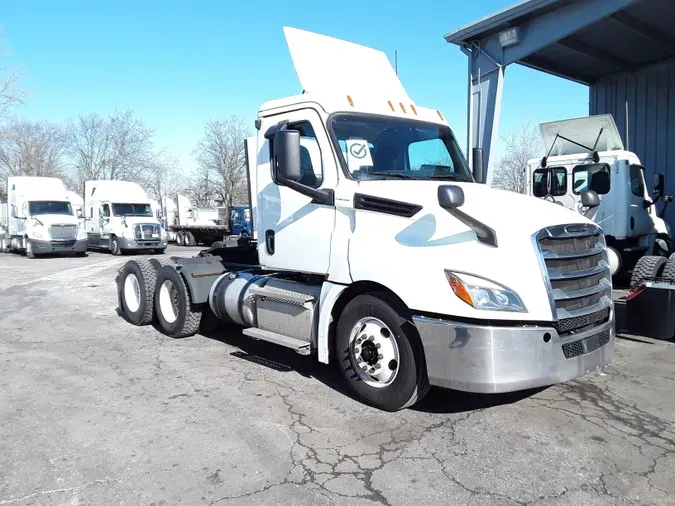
44, 247
133, 244
486, 359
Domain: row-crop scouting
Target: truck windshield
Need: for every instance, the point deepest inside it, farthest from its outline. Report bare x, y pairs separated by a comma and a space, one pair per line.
132, 210
49, 207
383, 147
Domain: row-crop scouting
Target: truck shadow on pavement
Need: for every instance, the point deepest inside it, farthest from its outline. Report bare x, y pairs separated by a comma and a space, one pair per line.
438, 400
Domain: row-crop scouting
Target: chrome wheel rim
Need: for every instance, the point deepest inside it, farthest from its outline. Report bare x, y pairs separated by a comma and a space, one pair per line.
168, 301
132, 293
374, 352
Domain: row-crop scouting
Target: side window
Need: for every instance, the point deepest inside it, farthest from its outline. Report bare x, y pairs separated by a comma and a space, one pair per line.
540, 183
105, 211
594, 176
311, 164
558, 181
637, 181
430, 154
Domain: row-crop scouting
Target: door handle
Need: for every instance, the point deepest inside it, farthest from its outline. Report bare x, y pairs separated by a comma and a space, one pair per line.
269, 241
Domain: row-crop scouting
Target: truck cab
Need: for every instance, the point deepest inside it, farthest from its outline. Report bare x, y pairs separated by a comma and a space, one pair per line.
40, 218
588, 154
375, 247
120, 218
240, 219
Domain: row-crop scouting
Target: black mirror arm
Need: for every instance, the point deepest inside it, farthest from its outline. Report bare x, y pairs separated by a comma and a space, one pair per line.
485, 234
325, 197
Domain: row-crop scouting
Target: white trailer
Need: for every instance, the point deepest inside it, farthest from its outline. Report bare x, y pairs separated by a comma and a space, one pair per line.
588, 154
381, 252
39, 219
119, 218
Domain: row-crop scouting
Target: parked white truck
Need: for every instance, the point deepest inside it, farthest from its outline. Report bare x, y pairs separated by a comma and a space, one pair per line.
193, 225
381, 253
119, 218
588, 154
40, 219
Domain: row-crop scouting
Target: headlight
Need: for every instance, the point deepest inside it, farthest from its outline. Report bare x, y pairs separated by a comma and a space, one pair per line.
484, 294
128, 233
81, 233
37, 233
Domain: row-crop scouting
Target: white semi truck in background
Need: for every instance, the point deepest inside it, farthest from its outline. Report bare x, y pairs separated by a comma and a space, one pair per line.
381, 252
39, 219
588, 154
193, 225
120, 218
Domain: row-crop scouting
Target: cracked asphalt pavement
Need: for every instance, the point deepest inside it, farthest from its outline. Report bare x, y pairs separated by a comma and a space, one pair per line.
96, 411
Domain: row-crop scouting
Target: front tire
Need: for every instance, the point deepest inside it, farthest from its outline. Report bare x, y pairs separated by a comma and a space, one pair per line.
29, 250
176, 315
380, 353
115, 246
4, 247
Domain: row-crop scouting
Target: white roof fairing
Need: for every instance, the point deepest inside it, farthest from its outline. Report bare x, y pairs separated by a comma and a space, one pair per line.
586, 130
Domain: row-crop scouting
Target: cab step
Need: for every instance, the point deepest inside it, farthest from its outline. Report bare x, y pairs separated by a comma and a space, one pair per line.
269, 292
301, 347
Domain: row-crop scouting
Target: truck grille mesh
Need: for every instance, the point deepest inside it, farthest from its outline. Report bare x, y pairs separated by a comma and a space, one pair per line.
577, 272
587, 345
63, 232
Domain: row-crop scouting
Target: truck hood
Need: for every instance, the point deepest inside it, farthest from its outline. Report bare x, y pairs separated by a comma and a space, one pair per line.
586, 130
410, 255
54, 219
133, 220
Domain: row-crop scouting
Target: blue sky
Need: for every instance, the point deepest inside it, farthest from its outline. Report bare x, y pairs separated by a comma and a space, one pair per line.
178, 64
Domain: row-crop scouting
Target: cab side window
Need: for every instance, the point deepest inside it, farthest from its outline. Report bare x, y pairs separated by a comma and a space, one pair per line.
593, 176
637, 181
105, 211
558, 181
540, 183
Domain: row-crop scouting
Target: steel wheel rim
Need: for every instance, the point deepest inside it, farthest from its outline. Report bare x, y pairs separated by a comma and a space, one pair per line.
373, 352
132, 293
168, 301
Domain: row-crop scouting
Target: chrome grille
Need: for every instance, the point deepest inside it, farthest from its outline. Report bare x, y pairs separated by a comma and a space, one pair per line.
63, 232
145, 231
576, 268
587, 345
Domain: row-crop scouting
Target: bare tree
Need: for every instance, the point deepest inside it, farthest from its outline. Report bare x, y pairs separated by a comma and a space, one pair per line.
201, 190
119, 146
163, 177
10, 94
522, 145
32, 149
222, 160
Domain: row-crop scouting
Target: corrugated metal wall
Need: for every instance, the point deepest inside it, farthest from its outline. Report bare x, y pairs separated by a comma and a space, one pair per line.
650, 94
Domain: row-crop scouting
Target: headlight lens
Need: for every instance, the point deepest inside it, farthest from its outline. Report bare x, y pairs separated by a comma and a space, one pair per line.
483, 294
36, 232
81, 233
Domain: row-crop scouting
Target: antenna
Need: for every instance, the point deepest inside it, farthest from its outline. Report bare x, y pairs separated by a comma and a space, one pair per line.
627, 137
396, 61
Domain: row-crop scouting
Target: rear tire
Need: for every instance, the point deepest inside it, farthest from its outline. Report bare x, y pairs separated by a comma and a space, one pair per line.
4, 247
646, 267
136, 287
190, 239
668, 272
176, 315
180, 239
391, 351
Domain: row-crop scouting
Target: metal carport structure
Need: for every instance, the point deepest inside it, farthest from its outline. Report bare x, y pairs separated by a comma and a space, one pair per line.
624, 50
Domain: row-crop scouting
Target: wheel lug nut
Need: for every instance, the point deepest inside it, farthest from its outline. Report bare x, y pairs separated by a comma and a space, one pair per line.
356, 350
378, 346
371, 338
377, 366
364, 368
372, 370
380, 357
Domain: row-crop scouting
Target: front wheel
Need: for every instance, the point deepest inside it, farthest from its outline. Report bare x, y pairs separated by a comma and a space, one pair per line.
115, 246
4, 247
380, 353
29, 249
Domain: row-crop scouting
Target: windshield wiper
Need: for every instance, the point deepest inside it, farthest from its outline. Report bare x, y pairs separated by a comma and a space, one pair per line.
452, 177
397, 175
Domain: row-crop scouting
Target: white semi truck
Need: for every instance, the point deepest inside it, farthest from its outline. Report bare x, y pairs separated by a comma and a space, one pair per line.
40, 219
382, 253
193, 225
119, 218
588, 154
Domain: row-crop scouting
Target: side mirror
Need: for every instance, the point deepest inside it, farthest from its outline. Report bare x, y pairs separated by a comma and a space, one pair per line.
590, 199
477, 164
79, 213
450, 196
659, 182
16, 214
287, 154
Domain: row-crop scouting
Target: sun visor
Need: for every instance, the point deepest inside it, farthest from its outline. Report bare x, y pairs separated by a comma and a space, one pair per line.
329, 65
584, 131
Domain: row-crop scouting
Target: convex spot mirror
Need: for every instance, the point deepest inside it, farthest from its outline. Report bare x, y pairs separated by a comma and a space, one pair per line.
287, 154
450, 196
